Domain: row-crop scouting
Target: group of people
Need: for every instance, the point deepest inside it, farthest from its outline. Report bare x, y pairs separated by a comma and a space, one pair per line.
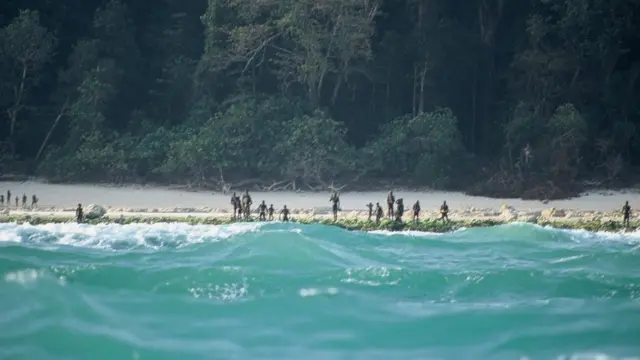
395, 209
242, 209
397, 213
7, 200
392, 214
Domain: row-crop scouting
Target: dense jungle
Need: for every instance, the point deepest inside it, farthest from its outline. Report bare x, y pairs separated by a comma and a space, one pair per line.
527, 98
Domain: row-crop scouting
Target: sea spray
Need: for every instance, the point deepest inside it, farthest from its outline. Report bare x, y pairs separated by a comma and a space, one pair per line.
291, 291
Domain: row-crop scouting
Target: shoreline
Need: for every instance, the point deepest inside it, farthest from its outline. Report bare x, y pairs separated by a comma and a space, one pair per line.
166, 199
593, 210
353, 220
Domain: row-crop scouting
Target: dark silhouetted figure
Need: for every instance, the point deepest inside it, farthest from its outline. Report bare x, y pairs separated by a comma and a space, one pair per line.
379, 213
271, 210
8, 198
1, 199
444, 212
335, 199
370, 207
236, 205
626, 213
24, 201
246, 204
239, 207
79, 214
416, 211
17, 202
390, 200
399, 210
34, 201
262, 208
284, 214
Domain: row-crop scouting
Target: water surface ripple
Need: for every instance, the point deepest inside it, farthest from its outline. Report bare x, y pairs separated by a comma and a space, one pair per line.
288, 291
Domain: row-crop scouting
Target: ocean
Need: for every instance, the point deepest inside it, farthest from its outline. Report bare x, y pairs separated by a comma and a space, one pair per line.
290, 291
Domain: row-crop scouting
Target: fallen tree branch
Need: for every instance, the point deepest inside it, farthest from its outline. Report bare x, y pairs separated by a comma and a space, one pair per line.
63, 110
277, 184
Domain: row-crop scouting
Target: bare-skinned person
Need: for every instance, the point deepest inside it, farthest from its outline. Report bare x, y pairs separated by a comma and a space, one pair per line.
284, 214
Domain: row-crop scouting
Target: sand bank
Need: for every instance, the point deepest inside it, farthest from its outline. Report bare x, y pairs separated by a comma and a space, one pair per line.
68, 196
60, 200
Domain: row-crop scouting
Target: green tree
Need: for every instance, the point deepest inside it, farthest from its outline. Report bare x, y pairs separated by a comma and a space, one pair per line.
315, 151
568, 132
426, 147
25, 47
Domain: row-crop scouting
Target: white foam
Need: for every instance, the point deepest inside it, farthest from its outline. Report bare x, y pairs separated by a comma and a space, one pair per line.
113, 236
630, 235
22, 277
371, 276
7, 236
593, 356
411, 233
309, 292
567, 259
227, 292
30, 276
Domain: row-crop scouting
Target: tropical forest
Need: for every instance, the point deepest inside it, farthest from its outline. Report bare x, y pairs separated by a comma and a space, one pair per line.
537, 99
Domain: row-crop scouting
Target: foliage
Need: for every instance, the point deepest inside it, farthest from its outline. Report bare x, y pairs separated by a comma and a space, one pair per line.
567, 132
25, 47
314, 149
426, 146
309, 94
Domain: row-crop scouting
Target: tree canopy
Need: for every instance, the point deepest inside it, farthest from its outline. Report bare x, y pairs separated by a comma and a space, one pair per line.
511, 98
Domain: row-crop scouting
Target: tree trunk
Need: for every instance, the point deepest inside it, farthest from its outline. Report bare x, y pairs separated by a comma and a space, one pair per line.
63, 110
474, 109
489, 17
313, 93
321, 82
414, 99
336, 89
373, 98
15, 109
423, 75
487, 104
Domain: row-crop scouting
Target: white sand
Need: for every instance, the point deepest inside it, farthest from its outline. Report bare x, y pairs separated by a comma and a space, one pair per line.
68, 196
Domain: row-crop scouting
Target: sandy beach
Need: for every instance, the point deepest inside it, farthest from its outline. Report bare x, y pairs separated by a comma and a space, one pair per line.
58, 199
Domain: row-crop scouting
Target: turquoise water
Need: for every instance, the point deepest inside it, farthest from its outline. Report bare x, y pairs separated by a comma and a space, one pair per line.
288, 291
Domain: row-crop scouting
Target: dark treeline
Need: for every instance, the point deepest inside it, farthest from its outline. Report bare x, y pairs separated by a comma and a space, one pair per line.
520, 97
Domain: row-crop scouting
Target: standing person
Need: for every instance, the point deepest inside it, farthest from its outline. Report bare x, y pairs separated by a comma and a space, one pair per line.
24, 200
335, 199
399, 210
34, 201
17, 202
2, 200
379, 213
284, 214
246, 204
262, 208
79, 214
626, 213
390, 201
238, 207
370, 207
416, 211
8, 198
444, 212
271, 210
235, 204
